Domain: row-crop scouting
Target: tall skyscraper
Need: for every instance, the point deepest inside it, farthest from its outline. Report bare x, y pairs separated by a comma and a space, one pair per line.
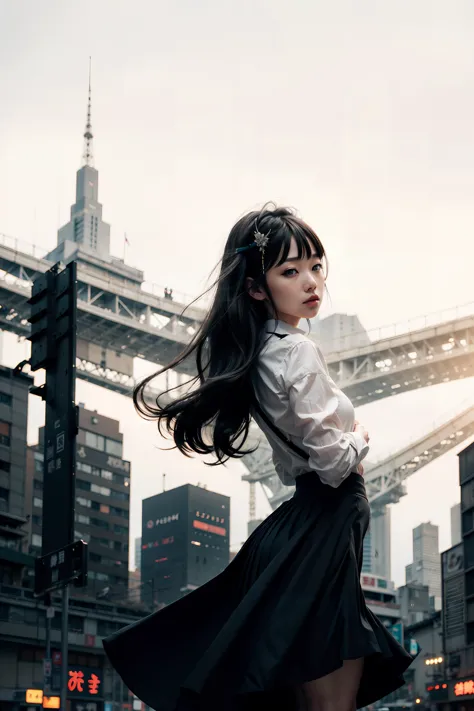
377, 545
381, 544
138, 553
86, 227
456, 535
102, 501
426, 566
185, 541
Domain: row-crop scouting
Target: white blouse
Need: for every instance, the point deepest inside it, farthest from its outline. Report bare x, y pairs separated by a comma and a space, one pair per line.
295, 391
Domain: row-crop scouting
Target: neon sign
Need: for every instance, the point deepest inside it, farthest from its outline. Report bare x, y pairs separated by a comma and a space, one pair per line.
464, 688
210, 528
84, 682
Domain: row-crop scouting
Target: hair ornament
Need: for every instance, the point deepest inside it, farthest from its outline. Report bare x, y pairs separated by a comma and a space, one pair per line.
260, 240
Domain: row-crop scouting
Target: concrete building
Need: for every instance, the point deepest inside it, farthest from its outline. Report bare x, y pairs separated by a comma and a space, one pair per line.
456, 535
22, 648
14, 388
427, 634
339, 332
102, 515
414, 602
426, 566
377, 545
185, 541
138, 553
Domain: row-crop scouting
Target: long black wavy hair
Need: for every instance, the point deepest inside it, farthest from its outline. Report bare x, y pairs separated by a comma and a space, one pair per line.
215, 413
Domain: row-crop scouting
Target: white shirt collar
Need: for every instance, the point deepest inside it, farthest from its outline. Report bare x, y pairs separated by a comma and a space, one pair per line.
282, 327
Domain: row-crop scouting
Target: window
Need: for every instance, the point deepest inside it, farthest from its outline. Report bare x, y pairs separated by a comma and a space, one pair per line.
36, 540
5, 433
86, 468
120, 529
83, 502
105, 474
38, 466
94, 557
95, 441
5, 399
95, 471
37, 502
122, 495
82, 519
114, 447
37, 485
100, 523
36, 520
4, 498
84, 485
4, 466
118, 512
100, 490
104, 508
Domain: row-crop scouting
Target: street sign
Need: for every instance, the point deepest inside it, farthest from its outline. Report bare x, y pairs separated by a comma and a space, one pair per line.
397, 632
413, 647
47, 673
61, 567
34, 696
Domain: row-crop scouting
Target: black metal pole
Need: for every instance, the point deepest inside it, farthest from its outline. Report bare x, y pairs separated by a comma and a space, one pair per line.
64, 647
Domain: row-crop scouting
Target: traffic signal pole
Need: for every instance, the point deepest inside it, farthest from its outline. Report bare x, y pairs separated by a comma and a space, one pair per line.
53, 348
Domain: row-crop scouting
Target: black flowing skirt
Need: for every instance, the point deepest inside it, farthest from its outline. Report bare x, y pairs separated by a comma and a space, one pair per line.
288, 609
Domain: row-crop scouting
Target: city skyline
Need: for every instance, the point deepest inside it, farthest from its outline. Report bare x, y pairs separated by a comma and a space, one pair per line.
384, 206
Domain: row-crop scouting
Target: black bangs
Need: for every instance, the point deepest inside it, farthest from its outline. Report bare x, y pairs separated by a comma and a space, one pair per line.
279, 243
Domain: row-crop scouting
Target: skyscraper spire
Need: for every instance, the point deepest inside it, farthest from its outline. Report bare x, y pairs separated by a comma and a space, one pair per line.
87, 157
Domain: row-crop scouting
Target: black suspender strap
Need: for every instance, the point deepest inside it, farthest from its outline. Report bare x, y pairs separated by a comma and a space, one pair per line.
278, 433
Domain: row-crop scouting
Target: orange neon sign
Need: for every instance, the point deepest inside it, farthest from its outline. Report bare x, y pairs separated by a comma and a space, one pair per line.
209, 527
464, 688
51, 702
34, 696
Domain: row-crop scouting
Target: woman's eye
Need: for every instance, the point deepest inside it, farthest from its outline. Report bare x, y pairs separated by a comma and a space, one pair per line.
318, 267
289, 272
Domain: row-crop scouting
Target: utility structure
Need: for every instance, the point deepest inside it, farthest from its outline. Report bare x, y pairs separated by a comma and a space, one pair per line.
53, 305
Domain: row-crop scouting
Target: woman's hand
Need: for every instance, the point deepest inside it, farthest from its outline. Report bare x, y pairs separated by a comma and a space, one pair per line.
360, 429
360, 469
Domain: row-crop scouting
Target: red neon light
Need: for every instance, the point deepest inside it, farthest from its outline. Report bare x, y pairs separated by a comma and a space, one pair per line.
464, 688
160, 560
210, 528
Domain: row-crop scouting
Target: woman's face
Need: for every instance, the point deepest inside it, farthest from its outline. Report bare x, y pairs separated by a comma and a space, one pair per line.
297, 286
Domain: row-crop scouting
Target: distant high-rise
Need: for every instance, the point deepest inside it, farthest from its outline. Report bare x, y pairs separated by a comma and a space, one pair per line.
426, 566
456, 536
86, 237
86, 227
339, 332
381, 550
377, 546
138, 553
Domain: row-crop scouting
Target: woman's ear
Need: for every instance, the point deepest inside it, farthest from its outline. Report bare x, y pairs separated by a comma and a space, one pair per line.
255, 291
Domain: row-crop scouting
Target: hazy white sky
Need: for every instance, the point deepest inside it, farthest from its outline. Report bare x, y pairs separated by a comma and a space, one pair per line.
358, 113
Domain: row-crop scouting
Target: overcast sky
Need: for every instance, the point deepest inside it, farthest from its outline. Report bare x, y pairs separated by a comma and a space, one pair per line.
359, 114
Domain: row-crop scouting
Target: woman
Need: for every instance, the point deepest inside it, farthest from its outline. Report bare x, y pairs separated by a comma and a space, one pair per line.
285, 626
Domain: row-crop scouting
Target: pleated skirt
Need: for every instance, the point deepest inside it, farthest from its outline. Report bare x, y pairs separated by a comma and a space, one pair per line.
288, 609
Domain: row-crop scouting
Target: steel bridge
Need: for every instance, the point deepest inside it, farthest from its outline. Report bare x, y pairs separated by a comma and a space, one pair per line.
118, 322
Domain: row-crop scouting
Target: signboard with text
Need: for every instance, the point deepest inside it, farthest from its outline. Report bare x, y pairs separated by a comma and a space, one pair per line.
84, 682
